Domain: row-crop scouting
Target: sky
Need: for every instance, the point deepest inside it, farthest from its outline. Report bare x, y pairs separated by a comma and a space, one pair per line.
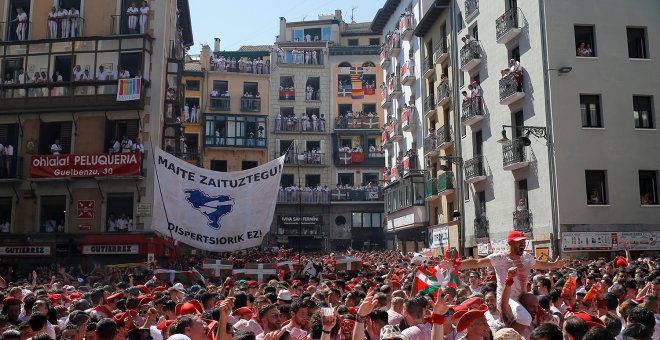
256, 22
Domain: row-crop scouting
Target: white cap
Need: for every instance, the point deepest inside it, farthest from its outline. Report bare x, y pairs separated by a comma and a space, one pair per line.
284, 295
179, 286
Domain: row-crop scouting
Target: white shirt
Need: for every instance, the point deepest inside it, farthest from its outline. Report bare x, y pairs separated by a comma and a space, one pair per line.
9, 150
116, 147
138, 147
105, 75
501, 262
418, 332
56, 149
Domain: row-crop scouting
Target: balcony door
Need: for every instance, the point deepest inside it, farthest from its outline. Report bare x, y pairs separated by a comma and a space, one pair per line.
477, 144
10, 33
12, 66
49, 132
64, 65
132, 62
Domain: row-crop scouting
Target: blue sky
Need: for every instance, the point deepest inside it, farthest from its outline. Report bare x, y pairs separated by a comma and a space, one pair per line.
256, 22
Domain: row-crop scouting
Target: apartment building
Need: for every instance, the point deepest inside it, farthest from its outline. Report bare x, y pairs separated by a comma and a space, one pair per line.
64, 188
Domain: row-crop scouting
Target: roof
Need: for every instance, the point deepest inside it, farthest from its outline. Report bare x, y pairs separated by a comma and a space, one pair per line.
383, 15
431, 16
185, 22
255, 48
194, 66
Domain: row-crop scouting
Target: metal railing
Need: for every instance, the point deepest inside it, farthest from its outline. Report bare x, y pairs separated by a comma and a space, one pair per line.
250, 104
474, 167
430, 187
305, 197
511, 84
240, 142
356, 195
507, 21
429, 144
395, 129
312, 125
74, 29
481, 227
408, 118
471, 108
443, 135
11, 166
368, 123
301, 56
428, 64
470, 52
120, 24
443, 91
406, 22
407, 70
220, 103
513, 152
439, 49
429, 103
303, 158
471, 6
188, 155
445, 181
523, 220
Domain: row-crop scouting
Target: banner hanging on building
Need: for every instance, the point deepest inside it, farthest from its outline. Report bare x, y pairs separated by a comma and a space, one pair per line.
101, 165
610, 241
128, 89
214, 211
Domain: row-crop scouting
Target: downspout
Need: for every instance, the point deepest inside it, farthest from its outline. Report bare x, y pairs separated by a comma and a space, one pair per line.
548, 121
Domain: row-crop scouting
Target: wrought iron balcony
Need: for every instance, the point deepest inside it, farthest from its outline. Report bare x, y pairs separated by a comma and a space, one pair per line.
470, 56
250, 104
410, 164
440, 51
507, 26
446, 183
471, 9
385, 100
396, 133
355, 195
431, 188
304, 197
384, 57
481, 228
472, 111
220, 103
430, 147
356, 123
408, 119
387, 142
443, 137
475, 169
408, 73
443, 93
11, 168
511, 88
514, 155
523, 220
190, 155
429, 105
406, 26
395, 87
428, 67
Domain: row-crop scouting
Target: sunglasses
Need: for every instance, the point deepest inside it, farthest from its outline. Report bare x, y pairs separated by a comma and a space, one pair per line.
347, 324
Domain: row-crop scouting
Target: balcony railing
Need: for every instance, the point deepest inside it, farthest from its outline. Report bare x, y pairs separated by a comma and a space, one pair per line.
385, 136
190, 155
507, 26
220, 103
471, 9
428, 67
11, 167
360, 158
75, 28
120, 25
408, 73
430, 145
514, 155
384, 57
301, 57
475, 169
481, 227
355, 195
472, 111
443, 93
406, 25
523, 220
443, 136
430, 188
359, 123
234, 141
250, 104
429, 104
440, 52
470, 55
312, 124
408, 119
385, 100
446, 182
511, 88
294, 124
9, 31
304, 197
396, 133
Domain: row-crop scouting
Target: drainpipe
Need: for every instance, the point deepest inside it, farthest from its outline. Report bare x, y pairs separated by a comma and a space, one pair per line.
554, 237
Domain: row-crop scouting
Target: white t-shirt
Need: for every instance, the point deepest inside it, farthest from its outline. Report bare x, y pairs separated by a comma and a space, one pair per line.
502, 262
418, 332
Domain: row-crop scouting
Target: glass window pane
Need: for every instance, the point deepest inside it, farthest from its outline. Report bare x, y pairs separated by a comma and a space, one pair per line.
376, 220
366, 220
64, 46
39, 48
357, 220
109, 44
85, 45
16, 49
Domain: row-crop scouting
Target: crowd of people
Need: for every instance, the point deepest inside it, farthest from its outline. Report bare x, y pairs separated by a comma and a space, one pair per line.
63, 23
307, 122
125, 145
122, 224
240, 64
299, 56
385, 295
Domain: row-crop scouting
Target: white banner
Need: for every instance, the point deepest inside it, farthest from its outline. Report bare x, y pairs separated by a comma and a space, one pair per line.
214, 211
610, 240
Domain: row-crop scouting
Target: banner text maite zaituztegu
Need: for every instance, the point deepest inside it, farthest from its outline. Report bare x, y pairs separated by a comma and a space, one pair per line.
219, 183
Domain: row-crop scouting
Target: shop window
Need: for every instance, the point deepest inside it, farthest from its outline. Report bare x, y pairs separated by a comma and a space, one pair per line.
642, 112
596, 181
246, 165
119, 212
219, 165
585, 42
53, 214
312, 181
346, 179
5, 214
648, 187
637, 42
192, 85
55, 133
590, 111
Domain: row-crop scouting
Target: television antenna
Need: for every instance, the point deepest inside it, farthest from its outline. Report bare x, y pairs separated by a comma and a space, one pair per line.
352, 16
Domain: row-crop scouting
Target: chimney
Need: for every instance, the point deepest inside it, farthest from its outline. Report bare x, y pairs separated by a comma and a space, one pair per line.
216, 45
282, 36
338, 14
205, 56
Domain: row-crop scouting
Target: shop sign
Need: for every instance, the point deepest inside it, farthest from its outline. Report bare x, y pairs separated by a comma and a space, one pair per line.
295, 221
101, 249
143, 210
609, 241
439, 237
25, 250
85, 166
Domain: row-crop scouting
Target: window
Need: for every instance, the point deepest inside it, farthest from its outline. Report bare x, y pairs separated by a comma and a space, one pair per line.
9, 165
312, 181
192, 85
522, 193
367, 220
5, 214
117, 129
287, 90
368, 108
245, 165
53, 214
119, 213
236, 131
642, 112
11, 10
55, 133
585, 42
370, 178
251, 88
219, 165
346, 179
637, 42
590, 111
475, 32
596, 181
286, 180
312, 88
515, 53
648, 187
344, 108
374, 41
221, 86
352, 42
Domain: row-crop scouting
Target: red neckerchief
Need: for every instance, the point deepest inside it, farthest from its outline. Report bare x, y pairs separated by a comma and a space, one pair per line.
103, 309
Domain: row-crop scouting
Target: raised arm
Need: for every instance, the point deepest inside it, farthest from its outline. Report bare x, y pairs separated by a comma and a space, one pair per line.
547, 265
439, 309
467, 264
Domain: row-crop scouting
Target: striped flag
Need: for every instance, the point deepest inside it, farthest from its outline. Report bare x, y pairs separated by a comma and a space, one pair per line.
451, 275
289, 267
216, 268
428, 280
346, 263
259, 272
129, 89
357, 92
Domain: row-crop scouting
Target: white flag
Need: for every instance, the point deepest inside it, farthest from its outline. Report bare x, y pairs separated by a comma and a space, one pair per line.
214, 211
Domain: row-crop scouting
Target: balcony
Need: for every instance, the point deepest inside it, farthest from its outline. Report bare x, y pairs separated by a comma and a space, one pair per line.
471, 10
472, 111
429, 105
475, 170
428, 69
356, 123
395, 87
431, 189
360, 159
408, 119
385, 100
507, 27
219, 104
311, 124
430, 147
384, 57
443, 93
514, 155
470, 56
408, 73
511, 88
396, 133
301, 57
440, 51
406, 25
355, 195
120, 25
410, 164
443, 137
394, 47
523, 220
305, 158
386, 137
11, 168
304, 197
190, 155
250, 104
287, 94
446, 183
481, 227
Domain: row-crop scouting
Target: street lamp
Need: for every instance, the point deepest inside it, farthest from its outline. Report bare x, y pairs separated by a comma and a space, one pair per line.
537, 131
450, 159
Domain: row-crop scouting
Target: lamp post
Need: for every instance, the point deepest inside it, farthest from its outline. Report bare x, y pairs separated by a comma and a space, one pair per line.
536, 131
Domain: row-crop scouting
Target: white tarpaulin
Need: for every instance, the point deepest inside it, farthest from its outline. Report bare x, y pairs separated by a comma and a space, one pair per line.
214, 211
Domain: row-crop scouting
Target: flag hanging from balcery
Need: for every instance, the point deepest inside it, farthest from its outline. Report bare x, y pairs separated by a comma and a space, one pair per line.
214, 211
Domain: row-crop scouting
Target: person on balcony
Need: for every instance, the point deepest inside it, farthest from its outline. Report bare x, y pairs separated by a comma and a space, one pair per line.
22, 19
123, 73
315, 123
126, 144
517, 70
132, 12
144, 16
315, 58
65, 26
138, 146
52, 23
74, 18
304, 122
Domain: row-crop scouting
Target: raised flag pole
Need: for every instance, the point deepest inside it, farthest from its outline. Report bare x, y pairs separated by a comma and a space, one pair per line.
153, 157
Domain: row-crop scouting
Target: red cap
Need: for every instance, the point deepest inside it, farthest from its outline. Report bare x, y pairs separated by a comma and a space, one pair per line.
516, 236
475, 302
242, 311
164, 324
74, 296
144, 289
120, 317
468, 317
54, 297
190, 307
252, 284
114, 297
591, 320
620, 262
144, 300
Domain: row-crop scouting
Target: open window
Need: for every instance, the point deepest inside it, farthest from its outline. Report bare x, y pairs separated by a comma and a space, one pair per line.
52, 218
585, 42
5, 214
370, 178
312, 91
369, 108
287, 90
311, 121
344, 108
344, 83
596, 181
286, 180
648, 187
12, 13
116, 129
312, 145
250, 88
246, 165
219, 165
54, 133
346, 178
312, 181
119, 212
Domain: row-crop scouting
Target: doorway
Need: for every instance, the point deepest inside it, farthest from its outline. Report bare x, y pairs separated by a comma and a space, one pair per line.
64, 65
131, 62
10, 34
